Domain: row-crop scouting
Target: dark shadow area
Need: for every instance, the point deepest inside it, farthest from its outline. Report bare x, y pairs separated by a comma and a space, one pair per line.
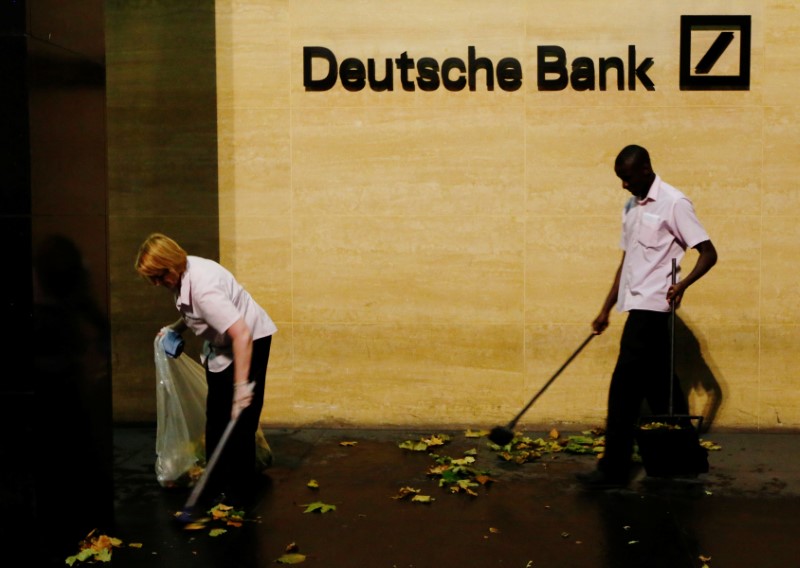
645, 531
695, 372
72, 426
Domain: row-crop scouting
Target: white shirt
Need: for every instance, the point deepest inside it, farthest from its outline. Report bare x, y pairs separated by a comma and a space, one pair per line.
211, 300
655, 230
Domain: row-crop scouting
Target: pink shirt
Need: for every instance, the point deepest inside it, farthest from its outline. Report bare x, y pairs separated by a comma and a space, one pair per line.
654, 231
210, 301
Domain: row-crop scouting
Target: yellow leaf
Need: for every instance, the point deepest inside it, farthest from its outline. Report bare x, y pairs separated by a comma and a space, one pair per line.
194, 527
291, 558
405, 492
216, 532
313, 484
554, 434
494, 530
135, 545
422, 499
348, 443
476, 433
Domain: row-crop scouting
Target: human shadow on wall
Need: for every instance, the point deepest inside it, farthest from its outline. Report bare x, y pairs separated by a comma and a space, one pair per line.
72, 387
695, 373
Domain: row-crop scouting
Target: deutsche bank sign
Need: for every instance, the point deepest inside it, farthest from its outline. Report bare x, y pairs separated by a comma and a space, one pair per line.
714, 55
730, 37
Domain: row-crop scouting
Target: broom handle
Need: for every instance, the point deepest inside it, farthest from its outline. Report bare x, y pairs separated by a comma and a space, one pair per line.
549, 382
672, 341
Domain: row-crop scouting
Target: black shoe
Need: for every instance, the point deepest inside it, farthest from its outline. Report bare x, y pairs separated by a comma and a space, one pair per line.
600, 480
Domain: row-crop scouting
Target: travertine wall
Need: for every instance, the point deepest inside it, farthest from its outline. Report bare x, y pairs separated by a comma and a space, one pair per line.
431, 258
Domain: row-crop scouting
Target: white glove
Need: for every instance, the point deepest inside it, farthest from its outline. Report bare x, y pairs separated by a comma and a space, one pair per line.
242, 397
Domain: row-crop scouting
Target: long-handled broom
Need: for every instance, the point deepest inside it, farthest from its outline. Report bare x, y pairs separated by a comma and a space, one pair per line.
187, 514
502, 435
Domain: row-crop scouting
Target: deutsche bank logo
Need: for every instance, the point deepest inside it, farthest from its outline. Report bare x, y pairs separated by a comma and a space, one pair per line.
715, 53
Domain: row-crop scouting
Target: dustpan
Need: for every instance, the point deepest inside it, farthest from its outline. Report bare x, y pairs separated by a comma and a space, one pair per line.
669, 444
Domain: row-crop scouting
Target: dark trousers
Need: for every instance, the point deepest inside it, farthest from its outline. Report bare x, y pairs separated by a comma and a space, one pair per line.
641, 374
236, 466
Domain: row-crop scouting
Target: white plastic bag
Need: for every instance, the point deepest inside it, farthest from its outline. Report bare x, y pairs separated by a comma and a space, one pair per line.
181, 418
181, 392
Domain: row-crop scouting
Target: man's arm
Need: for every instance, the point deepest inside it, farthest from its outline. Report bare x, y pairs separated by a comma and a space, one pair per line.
707, 259
600, 323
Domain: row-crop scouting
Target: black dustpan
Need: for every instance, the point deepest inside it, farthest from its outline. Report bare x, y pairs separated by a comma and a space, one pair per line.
669, 445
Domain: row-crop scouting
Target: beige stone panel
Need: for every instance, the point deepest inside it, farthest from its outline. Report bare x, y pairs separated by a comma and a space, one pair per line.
253, 56
254, 162
400, 269
439, 30
279, 398
714, 155
579, 394
780, 294
780, 359
570, 264
729, 293
781, 62
258, 251
402, 162
406, 374
781, 166
604, 30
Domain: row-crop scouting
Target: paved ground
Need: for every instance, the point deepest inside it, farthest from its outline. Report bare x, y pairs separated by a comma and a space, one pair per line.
743, 513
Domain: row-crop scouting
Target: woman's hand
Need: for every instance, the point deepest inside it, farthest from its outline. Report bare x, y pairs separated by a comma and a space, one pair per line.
242, 397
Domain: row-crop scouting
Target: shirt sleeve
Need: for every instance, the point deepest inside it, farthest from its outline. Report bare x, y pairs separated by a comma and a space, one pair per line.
687, 227
216, 309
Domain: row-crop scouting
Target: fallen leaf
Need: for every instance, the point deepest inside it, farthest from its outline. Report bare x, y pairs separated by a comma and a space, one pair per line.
291, 558
318, 507
476, 433
494, 530
348, 444
135, 545
406, 492
216, 532
194, 526
313, 484
554, 434
422, 499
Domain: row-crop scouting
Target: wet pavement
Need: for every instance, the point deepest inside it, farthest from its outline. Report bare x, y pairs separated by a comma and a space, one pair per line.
743, 513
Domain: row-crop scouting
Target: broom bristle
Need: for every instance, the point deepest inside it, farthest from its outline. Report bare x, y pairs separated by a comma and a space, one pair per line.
501, 435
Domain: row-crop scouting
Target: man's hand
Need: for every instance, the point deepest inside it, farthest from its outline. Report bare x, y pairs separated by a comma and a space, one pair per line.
242, 397
600, 323
675, 293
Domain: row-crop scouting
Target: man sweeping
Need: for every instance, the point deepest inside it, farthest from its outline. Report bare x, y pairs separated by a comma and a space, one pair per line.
658, 225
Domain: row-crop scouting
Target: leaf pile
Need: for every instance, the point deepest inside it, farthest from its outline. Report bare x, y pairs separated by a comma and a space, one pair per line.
522, 449
219, 513
95, 549
423, 443
459, 474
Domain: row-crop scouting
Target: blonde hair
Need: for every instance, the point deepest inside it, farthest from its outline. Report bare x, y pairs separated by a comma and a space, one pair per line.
159, 255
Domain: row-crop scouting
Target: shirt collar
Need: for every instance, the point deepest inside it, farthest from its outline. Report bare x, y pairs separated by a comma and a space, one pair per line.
652, 193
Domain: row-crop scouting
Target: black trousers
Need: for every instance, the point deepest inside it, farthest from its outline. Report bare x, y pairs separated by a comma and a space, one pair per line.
641, 374
236, 466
